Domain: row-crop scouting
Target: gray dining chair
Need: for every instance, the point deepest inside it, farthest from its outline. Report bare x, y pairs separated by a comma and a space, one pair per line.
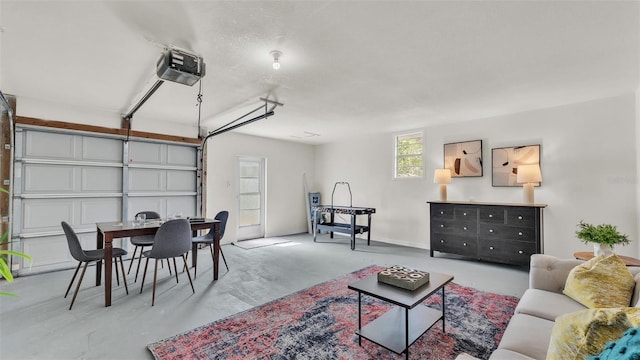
207, 239
87, 256
140, 242
172, 240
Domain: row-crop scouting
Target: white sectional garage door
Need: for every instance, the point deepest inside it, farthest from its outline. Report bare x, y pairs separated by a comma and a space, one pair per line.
83, 178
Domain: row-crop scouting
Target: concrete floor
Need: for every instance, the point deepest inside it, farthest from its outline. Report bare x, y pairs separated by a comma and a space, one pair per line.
38, 324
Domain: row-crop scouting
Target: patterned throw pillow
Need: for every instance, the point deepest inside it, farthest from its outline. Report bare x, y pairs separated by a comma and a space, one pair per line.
625, 348
584, 333
600, 283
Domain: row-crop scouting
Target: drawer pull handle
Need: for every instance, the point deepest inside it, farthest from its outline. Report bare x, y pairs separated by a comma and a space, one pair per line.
490, 230
441, 241
464, 244
519, 217
465, 214
520, 233
441, 225
490, 215
520, 252
441, 212
490, 247
464, 228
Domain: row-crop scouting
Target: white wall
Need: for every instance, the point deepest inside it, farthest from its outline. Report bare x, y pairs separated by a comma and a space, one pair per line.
589, 162
286, 164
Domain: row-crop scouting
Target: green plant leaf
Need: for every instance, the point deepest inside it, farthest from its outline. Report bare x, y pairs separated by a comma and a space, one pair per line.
4, 190
15, 253
8, 294
5, 271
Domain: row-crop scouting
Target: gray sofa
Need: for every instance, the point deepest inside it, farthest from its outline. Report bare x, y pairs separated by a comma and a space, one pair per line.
529, 331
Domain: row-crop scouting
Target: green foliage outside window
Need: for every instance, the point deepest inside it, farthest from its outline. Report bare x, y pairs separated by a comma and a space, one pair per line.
409, 150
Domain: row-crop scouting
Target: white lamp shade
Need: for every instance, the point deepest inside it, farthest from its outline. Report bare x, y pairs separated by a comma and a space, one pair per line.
529, 174
442, 176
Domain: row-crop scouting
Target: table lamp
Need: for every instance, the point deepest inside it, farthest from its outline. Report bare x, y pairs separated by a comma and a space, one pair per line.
442, 177
529, 176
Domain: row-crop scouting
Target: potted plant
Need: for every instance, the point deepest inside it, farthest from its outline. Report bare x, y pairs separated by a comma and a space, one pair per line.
5, 270
603, 237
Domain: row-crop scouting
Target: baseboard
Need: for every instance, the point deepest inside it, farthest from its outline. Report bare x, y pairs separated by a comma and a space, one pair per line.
386, 241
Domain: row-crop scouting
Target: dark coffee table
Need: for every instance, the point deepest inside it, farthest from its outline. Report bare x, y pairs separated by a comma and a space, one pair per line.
403, 324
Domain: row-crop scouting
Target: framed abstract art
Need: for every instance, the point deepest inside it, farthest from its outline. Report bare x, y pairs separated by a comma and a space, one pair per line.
464, 159
505, 161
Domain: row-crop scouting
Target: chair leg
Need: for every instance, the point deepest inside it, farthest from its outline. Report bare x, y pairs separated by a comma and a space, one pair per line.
155, 275
124, 278
175, 268
133, 257
221, 253
78, 287
169, 267
115, 264
139, 261
188, 273
72, 279
223, 259
144, 274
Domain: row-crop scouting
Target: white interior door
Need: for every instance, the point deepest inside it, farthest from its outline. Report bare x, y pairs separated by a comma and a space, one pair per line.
251, 202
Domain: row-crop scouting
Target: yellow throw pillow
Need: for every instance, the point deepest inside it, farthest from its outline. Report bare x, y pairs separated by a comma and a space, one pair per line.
580, 334
601, 282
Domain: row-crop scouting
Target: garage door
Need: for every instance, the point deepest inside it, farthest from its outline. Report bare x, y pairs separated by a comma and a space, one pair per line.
83, 178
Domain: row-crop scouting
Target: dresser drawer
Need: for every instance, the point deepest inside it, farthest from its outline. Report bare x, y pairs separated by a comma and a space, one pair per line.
521, 216
454, 244
441, 211
465, 213
491, 215
512, 252
504, 232
462, 228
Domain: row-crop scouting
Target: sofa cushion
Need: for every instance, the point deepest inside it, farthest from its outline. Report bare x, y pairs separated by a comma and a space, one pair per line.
600, 283
584, 333
527, 335
504, 354
546, 304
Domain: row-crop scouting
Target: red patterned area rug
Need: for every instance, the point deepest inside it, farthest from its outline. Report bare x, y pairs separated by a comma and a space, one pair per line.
320, 323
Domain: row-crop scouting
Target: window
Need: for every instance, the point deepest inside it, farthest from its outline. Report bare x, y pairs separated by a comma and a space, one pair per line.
409, 150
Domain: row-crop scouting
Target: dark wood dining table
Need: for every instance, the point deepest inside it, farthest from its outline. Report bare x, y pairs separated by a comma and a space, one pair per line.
107, 231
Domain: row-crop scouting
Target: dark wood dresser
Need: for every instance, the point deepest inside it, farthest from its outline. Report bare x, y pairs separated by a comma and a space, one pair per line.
503, 233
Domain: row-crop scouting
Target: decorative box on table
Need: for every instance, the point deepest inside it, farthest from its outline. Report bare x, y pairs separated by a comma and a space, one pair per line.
403, 277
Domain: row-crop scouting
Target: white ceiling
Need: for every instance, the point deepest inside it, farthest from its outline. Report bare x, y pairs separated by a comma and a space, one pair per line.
348, 67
